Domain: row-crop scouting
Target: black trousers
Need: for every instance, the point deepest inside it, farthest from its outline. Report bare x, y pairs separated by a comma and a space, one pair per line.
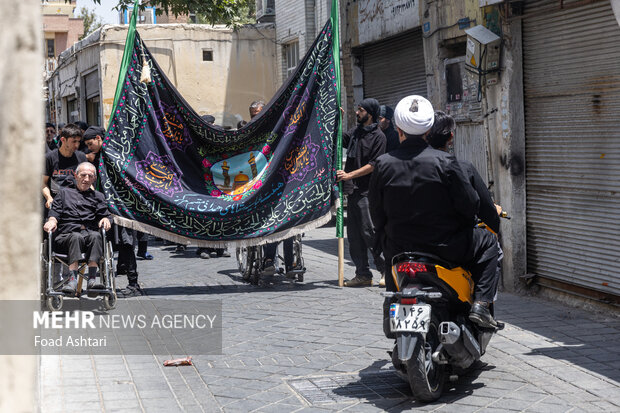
124, 241
271, 249
361, 233
143, 242
480, 258
75, 243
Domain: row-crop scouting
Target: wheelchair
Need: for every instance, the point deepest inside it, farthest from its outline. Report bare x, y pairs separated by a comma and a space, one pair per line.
250, 262
53, 264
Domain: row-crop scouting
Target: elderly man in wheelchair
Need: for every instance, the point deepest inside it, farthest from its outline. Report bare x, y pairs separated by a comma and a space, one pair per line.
76, 215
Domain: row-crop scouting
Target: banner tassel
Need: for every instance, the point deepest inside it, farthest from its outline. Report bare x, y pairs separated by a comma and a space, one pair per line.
145, 77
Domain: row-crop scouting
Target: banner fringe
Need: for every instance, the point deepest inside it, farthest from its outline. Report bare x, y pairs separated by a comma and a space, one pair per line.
180, 239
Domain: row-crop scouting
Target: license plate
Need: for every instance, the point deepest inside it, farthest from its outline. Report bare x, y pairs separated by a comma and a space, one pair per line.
413, 318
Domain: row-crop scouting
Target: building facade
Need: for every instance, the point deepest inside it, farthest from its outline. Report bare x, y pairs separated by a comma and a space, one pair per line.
217, 70
297, 25
61, 29
533, 87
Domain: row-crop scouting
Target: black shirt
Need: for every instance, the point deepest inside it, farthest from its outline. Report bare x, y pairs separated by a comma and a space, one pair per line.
487, 211
420, 200
391, 139
76, 210
59, 168
364, 145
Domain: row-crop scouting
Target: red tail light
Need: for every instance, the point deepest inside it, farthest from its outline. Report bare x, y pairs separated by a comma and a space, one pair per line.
411, 268
409, 301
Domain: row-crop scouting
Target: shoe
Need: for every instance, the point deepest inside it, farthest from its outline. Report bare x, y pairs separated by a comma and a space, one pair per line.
213, 254
204, 255
180, 248
70, 287
93, 285
481, 315
145, 256
268, 268
132, 290
224, 253
358, 281
382, 281
290, 274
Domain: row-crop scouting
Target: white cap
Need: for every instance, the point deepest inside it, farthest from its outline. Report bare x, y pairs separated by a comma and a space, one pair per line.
414, 115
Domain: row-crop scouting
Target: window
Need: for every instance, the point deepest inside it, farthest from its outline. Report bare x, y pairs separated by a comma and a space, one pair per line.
49, 45
207, 55
291, 58
454, 82
92, 111
72, 111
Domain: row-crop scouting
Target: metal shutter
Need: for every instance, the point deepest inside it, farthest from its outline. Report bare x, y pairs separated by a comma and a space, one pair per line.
394, 68
571, 67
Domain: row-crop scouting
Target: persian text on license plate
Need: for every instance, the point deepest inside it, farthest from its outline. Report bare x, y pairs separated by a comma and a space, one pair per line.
412, 318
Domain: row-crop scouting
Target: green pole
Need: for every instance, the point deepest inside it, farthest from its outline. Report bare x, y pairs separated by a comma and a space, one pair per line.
131, 36
339, 213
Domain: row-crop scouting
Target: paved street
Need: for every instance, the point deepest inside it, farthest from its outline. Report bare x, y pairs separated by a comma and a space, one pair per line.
315, 347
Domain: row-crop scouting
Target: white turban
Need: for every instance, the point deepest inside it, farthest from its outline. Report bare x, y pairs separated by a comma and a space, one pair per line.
414, 115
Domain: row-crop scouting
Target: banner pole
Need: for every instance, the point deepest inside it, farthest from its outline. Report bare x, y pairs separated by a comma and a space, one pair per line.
127, 52
339, 213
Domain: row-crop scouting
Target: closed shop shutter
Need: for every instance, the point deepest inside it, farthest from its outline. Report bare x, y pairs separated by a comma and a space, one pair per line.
394, 68
91, 84
571, 67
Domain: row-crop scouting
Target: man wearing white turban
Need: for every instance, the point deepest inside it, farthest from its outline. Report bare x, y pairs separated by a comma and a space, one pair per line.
420, 200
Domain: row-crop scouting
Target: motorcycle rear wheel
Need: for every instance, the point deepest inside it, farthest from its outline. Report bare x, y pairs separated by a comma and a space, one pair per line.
426, 378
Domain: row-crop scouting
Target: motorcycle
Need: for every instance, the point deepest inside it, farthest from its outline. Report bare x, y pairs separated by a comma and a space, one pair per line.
428, 318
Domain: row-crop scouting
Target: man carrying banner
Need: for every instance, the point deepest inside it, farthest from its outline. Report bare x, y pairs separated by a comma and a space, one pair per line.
364, 144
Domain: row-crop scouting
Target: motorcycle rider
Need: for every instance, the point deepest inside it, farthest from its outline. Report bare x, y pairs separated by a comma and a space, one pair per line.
420, 200
440, 137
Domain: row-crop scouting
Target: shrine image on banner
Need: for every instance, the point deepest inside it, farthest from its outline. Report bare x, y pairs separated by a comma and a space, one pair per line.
165, 171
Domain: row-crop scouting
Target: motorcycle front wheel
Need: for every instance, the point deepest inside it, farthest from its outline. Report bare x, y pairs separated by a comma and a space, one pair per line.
426, 378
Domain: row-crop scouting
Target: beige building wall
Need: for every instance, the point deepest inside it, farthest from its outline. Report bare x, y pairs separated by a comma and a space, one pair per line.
242, 69
21, 145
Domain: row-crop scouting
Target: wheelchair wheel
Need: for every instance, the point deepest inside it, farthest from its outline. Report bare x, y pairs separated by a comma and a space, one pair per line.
54, 302
109, 280
109, 301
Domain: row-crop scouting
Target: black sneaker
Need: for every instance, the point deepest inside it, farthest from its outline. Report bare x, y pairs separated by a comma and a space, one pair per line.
145, 256
132, 290
481, 315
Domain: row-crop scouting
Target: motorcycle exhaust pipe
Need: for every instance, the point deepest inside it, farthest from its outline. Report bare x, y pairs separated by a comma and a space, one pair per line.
459, 343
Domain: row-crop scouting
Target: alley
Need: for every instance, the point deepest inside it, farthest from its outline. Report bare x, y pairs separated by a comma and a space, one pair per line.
315, 347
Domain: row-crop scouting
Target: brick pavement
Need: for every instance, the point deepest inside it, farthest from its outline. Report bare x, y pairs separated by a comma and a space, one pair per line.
314, 347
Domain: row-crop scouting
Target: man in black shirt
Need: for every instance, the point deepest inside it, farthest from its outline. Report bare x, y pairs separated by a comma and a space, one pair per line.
385, 123
440, 137
50, 137
421, 200
364, 144
77, 213
61, 163
93, 139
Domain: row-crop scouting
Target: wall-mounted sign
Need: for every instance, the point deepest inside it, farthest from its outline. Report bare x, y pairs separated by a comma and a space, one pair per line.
379, 19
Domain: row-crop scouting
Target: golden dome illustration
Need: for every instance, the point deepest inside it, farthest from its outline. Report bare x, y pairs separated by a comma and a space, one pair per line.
240, 180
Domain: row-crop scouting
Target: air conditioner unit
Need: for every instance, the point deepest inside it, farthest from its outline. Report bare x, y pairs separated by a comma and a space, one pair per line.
265, 8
